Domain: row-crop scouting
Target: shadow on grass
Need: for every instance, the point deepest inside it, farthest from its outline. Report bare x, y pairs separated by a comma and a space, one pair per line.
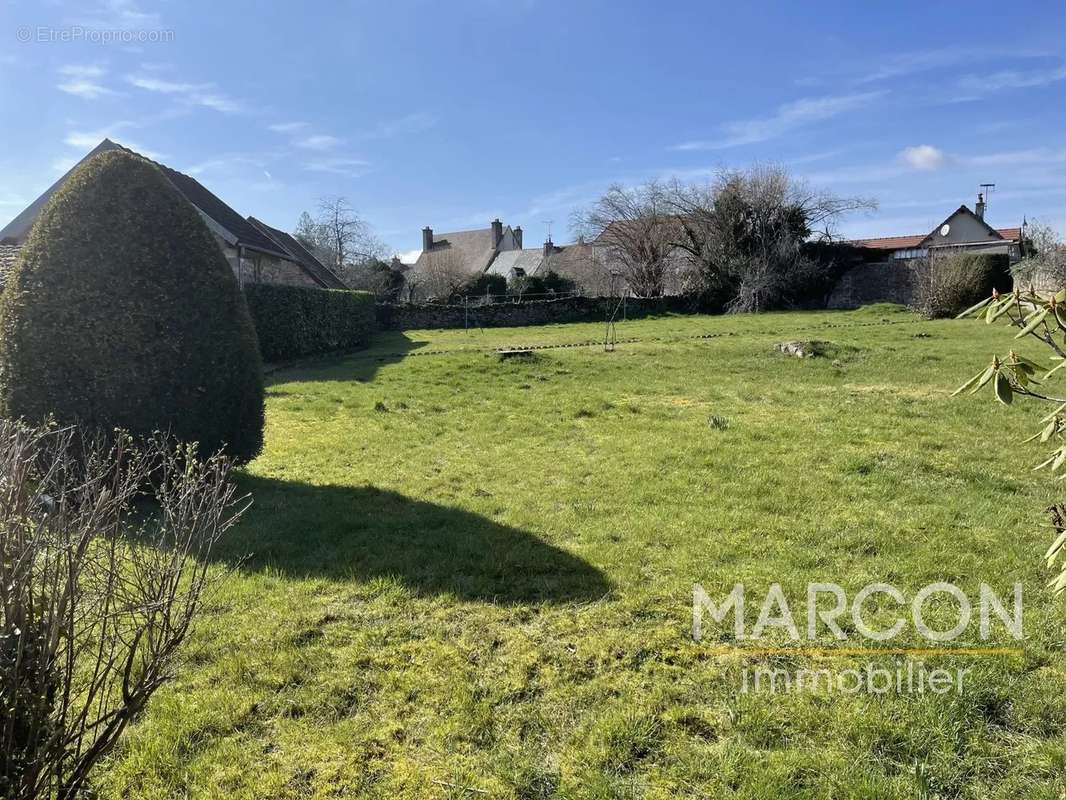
359, 533
387, 347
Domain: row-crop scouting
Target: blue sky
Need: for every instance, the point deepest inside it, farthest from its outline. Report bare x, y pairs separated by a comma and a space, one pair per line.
452, 113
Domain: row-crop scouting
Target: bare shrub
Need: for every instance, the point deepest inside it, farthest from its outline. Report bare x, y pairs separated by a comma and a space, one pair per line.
104, 561
945, 285
635, 227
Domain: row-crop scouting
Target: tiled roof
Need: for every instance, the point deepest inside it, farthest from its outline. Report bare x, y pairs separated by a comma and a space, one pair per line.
8, 255
891, 242
301, 255
910, 242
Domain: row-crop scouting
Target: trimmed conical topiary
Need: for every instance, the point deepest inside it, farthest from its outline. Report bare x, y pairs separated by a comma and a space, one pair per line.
123, 313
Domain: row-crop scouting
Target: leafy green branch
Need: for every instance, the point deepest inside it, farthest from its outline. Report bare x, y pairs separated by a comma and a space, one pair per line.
1043, 318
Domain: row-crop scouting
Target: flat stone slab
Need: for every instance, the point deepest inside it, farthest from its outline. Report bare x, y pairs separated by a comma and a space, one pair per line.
515, 353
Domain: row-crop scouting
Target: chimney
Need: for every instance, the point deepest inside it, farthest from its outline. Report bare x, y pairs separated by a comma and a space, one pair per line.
497, 233
979, 209
549, 248
518, 237
427, 238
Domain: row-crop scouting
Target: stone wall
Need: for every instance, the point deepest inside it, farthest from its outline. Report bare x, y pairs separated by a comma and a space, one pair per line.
264, 269
260, 268
880, 282
538, 312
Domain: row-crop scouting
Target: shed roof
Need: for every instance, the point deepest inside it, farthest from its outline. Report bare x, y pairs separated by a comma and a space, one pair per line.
301, 255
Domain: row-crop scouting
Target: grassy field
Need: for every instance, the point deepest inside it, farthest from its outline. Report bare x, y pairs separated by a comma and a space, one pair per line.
470, 577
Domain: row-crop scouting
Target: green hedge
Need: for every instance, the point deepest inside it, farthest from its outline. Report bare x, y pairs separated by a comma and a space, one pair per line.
293, 321
122, 312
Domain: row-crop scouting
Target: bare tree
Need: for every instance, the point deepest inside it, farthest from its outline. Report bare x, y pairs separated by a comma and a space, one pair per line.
97, 595
381, 279
745, 232
1044, 264
635, 227
338, 236
581, 264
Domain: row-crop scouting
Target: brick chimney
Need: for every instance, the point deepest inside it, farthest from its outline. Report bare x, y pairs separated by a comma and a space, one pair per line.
549, 248
979, 209
518, 237
427, 238
497, 232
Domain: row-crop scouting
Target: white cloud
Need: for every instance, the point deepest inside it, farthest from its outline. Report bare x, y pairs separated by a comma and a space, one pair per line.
87, 71
287, 127
86, 140
199, 94
319, 141
409, 256
84, 88
923, 157
979, 85
406, 125
904, 64
346, 167
118, 15
83, 80
788, 117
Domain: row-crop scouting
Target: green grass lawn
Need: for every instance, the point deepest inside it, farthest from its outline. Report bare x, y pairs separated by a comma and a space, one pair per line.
469, 577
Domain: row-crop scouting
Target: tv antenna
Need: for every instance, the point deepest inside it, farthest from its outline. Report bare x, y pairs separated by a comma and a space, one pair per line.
987, 189
549, 222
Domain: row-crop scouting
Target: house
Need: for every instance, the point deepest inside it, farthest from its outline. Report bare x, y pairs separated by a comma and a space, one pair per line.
963, 230
513, 264
270, 269
450, 259
887, 275
256, 252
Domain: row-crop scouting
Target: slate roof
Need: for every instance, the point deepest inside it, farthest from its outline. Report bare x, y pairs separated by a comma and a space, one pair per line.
301, 255
473, 249
211, 206
8, 254
528, 261
207, 203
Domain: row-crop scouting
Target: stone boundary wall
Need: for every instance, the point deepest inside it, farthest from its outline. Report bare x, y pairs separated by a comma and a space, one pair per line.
879, 282
412, 316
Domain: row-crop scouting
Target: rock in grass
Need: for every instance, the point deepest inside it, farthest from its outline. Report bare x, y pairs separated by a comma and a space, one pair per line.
796, 348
